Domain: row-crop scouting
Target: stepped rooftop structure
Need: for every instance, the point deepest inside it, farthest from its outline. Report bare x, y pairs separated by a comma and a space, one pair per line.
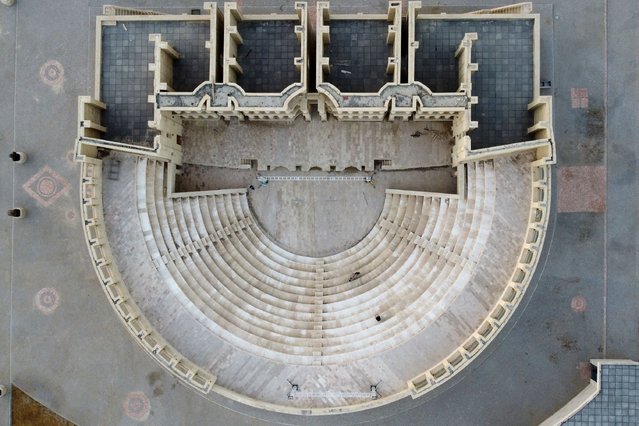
235, 295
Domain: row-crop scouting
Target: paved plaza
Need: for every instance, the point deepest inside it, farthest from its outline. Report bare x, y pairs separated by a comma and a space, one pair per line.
63, 345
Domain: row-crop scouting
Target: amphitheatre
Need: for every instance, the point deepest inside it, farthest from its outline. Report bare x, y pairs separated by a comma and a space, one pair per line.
308, 212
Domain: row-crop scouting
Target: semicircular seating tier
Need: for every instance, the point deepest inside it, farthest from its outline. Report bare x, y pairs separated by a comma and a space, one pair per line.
442, 272
304, 310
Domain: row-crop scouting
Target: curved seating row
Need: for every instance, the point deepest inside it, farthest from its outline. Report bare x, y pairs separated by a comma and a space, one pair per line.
102, 258
454, 362
297, 309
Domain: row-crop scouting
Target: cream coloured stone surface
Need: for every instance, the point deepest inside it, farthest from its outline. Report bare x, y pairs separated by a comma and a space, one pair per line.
317, 144
228, 306
429, 336
300, 215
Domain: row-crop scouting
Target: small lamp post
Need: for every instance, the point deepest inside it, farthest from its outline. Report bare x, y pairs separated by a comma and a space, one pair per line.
17, 212
17, 156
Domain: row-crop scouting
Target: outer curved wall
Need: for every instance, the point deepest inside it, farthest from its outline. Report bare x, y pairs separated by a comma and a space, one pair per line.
116, 292
203, 381
501, 313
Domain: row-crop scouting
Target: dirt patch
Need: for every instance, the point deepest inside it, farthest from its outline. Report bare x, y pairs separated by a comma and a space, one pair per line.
26, 411
585, 233
591, 151
153, 377
568, 343
595, 122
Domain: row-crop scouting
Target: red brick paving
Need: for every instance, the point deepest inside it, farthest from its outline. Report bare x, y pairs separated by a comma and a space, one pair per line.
582, 189
579, 96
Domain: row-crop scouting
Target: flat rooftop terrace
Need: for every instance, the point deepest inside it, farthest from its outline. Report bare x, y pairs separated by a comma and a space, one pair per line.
618, 401
267, 55
358, 55
503, 82
126, 82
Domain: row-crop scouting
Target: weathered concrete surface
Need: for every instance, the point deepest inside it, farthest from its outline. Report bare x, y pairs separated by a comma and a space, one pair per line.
622, 240
7, 142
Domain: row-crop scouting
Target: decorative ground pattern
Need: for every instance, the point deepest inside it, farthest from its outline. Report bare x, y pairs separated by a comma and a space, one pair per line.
579, 97
137, 406
578, 304
47, 300
52, 73
70, 215
46, 186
